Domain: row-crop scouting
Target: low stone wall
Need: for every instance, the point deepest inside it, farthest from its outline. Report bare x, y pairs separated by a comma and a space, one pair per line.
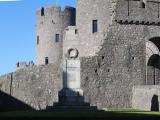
36, 86
146, 97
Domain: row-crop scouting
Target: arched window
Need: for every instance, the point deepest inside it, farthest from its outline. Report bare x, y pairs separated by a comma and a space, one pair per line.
142, 4
153, 61
153, 70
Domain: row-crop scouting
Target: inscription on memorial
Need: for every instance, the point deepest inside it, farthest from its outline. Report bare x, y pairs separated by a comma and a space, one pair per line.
72, 74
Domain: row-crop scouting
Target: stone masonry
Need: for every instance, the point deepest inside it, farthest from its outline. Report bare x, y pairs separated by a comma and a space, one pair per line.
52, 23
108, 52
36, 86
144, 97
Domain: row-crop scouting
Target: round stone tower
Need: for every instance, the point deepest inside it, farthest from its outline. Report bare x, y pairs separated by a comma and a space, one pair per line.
51, 22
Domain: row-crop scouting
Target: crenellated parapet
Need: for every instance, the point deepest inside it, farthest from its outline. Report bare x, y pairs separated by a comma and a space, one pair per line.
145, 12
21, 65
44, 13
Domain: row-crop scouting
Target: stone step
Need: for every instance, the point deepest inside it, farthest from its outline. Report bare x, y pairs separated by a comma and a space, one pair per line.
72, 108
71, 104
71, 99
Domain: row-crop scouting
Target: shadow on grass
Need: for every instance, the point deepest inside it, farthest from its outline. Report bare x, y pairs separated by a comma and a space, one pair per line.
95, 114
9, 103
11, 107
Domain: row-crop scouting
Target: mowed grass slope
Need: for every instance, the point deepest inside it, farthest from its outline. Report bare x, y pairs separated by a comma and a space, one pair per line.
109, 113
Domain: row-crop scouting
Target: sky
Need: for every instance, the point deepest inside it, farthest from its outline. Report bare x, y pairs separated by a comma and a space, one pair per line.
17, 30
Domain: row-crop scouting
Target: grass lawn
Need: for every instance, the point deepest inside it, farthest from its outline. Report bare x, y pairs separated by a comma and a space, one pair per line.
107, 113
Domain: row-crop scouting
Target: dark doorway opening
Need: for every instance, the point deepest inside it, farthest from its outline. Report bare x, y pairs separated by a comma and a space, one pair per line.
155, 103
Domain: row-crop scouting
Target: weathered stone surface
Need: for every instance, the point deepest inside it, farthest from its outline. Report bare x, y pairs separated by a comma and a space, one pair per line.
143, 97
109, 84
36, 86
132, 11
107, 78
112, 61
53, 22
87, 11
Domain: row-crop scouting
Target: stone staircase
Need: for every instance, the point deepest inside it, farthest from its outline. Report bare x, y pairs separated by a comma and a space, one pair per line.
71, 103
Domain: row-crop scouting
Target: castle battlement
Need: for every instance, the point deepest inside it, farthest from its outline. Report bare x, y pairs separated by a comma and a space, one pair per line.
138, 11
21, 65
51, 10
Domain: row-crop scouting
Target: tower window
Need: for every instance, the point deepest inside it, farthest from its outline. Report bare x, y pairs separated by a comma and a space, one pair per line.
95, 26
46, 61
103, 57
76, 31
53, 22
37, 40
42, 11
95, 70
57, 39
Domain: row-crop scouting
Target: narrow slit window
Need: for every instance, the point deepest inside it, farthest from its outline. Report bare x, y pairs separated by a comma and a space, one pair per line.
46, 60
158, 10
103, 57
128, 7
95, 26
57, 38
37, 40
76, 31
95, 70
42, 11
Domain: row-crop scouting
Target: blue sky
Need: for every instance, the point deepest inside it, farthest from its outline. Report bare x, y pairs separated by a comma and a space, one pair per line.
17, 31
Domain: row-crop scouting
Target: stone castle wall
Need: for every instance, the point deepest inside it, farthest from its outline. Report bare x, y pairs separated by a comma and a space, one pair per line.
36, 86
107, 79
113, 60
87, 11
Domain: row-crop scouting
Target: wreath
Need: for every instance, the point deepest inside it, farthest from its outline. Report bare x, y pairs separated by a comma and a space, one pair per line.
73, 50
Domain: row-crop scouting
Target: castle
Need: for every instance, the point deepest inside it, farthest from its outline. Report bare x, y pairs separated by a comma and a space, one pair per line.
103, 52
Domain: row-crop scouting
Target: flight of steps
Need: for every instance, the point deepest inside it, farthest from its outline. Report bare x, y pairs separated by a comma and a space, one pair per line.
71, 103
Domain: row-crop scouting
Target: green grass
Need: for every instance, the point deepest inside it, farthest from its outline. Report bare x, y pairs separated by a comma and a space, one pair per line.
109, 113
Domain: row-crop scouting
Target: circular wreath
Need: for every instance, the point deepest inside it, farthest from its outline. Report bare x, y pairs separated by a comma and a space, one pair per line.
73, 50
